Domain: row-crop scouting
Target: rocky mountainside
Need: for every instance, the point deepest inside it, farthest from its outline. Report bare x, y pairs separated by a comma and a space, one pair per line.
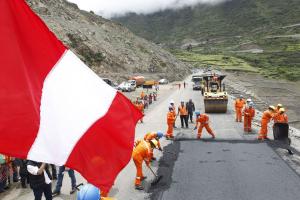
110, 49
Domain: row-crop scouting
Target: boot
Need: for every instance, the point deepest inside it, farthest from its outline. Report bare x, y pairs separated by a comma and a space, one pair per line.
139, 187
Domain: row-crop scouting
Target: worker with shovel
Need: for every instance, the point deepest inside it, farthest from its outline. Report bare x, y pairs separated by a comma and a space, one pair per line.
141, 153
154, 136
203, 120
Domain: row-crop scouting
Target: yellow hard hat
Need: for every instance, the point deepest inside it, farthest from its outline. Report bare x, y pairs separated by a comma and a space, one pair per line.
154, 142
282, 110
272, 107
279, 105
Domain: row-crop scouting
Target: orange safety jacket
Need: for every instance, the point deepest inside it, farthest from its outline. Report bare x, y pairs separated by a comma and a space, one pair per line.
267, 116
182, 110
239, 104
150, 136
203, 119
142, 151
280, 118
171, 117
249, 112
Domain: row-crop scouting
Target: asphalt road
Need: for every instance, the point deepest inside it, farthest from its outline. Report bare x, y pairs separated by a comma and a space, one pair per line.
234, 166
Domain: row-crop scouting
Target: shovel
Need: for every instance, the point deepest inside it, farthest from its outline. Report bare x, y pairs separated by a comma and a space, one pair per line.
157, 178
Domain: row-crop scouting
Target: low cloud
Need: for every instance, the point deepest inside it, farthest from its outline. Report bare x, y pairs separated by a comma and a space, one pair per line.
109, 8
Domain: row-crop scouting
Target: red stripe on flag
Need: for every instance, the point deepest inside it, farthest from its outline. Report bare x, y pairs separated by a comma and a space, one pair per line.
105, 149
28, 51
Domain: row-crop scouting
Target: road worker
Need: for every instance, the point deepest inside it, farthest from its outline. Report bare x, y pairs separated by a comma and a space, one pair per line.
154, 136
266, 118
249, 113
140, 106
203, 120
278, 107
141, 153
142, 94
171, 116
281, 117
239, 105
182, 111
172, 104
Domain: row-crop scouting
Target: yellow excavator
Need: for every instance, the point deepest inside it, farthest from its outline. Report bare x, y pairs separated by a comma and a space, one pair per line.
215, 96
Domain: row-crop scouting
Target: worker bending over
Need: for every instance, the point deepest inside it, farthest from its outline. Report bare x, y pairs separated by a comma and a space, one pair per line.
266, 118
154, 136
203, 120
170, 122
239, 105
249, 113
141, 153
281, 117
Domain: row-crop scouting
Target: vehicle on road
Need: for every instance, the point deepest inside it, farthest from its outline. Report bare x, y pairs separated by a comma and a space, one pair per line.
126, 87
197, 82
133, 84
215, 96
163, 81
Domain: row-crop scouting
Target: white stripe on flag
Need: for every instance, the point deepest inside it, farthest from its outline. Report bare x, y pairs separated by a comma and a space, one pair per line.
73, 99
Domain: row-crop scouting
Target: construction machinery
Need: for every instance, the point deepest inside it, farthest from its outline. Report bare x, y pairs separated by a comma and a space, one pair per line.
215, 96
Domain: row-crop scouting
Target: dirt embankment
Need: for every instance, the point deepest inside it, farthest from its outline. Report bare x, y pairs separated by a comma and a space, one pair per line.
266, 92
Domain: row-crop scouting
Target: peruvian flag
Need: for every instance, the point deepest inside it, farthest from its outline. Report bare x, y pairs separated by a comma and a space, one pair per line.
53, 108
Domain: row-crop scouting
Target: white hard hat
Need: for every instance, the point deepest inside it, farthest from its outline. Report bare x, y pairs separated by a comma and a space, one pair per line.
249, 100
172, 101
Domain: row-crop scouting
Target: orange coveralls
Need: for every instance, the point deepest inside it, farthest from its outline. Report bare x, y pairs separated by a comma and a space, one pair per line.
239, 104
140, 107
281, 118
266, 118
141, 153
249, 114
150, 136
204, 120
170, 122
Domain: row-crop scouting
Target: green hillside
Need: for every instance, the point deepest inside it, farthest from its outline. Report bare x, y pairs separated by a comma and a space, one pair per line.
263, 33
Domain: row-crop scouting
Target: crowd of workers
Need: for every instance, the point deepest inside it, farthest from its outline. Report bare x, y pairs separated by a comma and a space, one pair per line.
246, 109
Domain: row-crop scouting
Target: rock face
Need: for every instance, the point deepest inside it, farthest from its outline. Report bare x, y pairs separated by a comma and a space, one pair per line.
110, 49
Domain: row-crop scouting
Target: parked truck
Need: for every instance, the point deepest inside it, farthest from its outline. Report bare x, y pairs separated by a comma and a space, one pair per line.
140, 80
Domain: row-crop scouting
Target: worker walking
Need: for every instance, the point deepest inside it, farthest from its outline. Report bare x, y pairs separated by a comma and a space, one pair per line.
266, 118
191, 109
249, 113
140, 154
281, 117
203, 120
154, 136
239, 105
171, 116
182, 111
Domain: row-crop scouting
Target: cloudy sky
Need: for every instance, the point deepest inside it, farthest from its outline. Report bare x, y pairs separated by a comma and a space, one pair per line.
108, 8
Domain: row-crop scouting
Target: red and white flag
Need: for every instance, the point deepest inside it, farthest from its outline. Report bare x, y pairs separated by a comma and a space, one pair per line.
53, 108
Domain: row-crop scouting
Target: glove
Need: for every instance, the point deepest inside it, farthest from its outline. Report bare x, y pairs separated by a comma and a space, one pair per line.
195, 128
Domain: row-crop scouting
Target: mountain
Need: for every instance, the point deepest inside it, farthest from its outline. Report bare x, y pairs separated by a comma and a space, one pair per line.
263, 33
109, 48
